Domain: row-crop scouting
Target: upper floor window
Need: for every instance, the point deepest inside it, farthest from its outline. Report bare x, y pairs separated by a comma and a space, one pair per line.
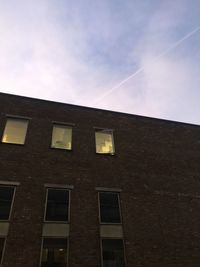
62, 137
113, 253
15, 131
57, 205
54, 252
109, 207
104, 141
6, 199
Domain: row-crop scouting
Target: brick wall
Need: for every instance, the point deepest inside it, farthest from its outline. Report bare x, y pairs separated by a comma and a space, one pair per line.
156, 165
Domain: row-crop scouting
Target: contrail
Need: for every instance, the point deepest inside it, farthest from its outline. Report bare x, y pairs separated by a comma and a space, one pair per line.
165, 52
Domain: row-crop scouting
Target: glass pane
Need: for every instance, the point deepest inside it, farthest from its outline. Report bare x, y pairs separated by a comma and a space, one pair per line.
15, 131
62, 137
54, 253
104, 142
2, 240
109, 207
57, 205
113, 253
6, 196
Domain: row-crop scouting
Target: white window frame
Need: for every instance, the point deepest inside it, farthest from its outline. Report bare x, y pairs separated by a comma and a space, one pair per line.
17, 118
54, 238
109, 131
4, 247
119, 203
12, 202
101, 248
69, 204
64, 125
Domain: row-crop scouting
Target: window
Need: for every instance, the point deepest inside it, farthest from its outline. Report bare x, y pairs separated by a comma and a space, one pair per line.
15, 131
2, 241
57, 205
62, 137
109, 207
104, 141
6, 198
54, 252
113, 253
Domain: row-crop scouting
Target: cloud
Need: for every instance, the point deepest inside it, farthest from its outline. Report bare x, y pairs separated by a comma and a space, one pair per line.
40, 57
75, 52
164, 86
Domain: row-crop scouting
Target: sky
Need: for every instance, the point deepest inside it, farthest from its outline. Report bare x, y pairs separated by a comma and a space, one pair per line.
134, 56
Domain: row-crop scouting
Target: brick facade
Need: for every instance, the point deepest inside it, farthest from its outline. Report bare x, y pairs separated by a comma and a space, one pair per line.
156, 166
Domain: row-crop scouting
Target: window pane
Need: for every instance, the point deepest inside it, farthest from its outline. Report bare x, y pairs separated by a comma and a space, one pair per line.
15, 131
6, 196
57, 205
113, 253
104, 142
54, 252
109, 207
62, 137
2, 240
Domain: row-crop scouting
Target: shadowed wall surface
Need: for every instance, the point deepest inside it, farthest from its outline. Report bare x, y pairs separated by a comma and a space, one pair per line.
155, 165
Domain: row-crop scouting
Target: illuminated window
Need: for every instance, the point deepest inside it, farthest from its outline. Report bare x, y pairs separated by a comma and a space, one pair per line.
62, 137
104, 141
54, 252
15, 131
2, 240
113, 253
6, 198
109, 207
57, 205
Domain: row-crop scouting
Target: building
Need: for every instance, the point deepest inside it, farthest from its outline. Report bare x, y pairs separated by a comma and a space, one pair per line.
83, 187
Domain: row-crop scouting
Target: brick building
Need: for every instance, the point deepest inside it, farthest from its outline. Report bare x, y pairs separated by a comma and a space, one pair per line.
83, 187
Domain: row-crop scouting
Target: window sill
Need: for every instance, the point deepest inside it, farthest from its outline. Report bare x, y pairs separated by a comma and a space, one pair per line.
60, 149
106, 154
110, 223
9, 143
56, 222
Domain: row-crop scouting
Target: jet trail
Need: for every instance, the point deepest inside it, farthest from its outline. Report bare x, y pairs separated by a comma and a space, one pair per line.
165, 52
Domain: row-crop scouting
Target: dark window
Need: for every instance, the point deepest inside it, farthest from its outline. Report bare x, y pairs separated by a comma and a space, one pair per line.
6, 197
2, 240
57, 205
54, 252
109, 207
113, 253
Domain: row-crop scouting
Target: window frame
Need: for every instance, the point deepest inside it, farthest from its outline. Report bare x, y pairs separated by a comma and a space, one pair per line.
3, 250
65, 125
119, 203
111, 131
12, 201
54, 237
109, 238
69, 204
19, 118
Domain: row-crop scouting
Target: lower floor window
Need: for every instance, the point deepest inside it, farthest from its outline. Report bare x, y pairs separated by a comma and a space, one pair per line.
54, 252
113, 253
2, 240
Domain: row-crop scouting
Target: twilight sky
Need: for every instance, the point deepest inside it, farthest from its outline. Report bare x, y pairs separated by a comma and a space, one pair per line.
135, 56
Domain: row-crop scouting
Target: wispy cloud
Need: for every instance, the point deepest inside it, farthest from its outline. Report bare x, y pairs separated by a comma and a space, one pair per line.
78, 51
166, 83
142, 68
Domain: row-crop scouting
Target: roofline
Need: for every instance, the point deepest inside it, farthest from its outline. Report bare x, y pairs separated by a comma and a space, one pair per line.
98, 109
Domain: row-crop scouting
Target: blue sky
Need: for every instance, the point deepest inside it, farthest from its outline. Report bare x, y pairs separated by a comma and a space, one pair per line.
83, 51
